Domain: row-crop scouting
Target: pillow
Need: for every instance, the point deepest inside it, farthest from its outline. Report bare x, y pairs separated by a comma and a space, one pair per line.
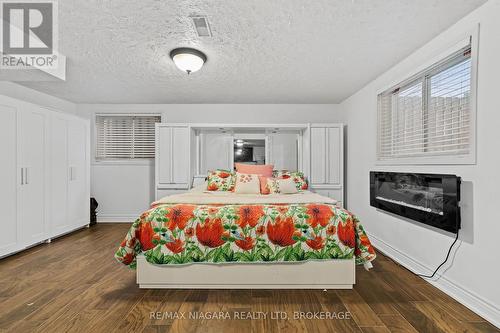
296, 176
220, 180
277, 185
263, 185
247, 183
263, 170
287, 186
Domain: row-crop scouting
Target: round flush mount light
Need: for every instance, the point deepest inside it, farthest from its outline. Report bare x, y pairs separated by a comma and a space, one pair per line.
187, 59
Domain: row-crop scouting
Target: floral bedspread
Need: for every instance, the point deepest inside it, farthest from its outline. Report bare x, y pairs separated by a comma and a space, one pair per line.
182, 234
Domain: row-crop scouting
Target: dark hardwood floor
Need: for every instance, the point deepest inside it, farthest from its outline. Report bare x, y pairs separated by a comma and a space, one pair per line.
75, 285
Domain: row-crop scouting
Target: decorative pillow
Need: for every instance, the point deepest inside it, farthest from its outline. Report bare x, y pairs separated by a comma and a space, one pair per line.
220, 180
287, 186
263, 170
247, 183
297, 176
277, 185
263, 185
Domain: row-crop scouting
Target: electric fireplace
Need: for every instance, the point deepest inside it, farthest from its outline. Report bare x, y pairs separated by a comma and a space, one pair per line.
432, 199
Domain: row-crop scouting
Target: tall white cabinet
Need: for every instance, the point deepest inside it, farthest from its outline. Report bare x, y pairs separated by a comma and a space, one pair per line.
10, 177
44, 174
32, 127
69, 176
172, 151
327, 160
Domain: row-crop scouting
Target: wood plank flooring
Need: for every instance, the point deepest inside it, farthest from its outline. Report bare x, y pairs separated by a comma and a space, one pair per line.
75, 285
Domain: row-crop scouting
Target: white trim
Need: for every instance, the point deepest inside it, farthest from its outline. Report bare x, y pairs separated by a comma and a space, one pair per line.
228, 127
117, 218
133, 161
469, 299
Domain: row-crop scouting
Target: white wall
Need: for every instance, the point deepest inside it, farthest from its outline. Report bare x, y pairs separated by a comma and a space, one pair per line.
473, 274
16, 91
124, 191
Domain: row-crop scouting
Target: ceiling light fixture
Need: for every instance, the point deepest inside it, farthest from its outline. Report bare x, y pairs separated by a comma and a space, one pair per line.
187, 59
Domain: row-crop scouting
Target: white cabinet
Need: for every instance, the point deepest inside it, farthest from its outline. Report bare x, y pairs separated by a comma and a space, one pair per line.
35, 196
69, 173
216, 151
284, 150
33, 155
172, 151
59, 174
78, 180
327, 160
318, 155
10, 178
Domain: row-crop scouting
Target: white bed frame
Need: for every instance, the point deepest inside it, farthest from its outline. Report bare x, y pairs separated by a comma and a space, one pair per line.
331, 274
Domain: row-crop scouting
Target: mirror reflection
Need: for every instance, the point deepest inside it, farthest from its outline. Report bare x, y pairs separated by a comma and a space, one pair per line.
250, 151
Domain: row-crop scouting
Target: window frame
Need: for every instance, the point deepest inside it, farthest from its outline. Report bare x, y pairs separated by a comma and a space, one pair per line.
119, 161
465, 159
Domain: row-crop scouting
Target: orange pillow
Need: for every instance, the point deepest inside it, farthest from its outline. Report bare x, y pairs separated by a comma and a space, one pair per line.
262, 170
263, 185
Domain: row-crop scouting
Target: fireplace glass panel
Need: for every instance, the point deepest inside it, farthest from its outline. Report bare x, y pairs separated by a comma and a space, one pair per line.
425, 194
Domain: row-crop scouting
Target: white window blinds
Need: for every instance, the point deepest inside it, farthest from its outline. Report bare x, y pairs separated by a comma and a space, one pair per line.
125, 137
429, 114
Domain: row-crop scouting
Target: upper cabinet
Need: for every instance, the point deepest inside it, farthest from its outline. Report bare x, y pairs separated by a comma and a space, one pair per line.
216, 151
172, 156
283, 150
327, 160
326, 155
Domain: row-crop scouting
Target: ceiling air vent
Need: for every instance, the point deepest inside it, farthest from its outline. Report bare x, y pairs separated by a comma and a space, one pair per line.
201, 25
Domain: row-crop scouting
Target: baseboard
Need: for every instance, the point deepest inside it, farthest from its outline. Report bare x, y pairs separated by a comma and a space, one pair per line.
115, 218
469, 299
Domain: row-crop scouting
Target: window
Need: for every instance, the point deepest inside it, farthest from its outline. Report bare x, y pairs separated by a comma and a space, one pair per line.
428, 115
125, 136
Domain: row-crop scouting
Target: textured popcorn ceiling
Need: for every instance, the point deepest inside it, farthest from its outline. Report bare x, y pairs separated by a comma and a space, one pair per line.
264, 51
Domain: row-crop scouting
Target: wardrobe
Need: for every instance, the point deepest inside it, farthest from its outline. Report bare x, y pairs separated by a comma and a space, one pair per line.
185, 152
44, 174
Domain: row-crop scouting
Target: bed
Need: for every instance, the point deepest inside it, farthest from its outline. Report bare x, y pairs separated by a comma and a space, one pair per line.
224, 240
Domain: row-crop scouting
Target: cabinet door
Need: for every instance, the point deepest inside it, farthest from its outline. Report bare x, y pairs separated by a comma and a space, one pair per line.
78, 198
32, 145
164, 155
180, 156
216, 151
318, 155
59, 220
283, 149
10, 178
334, 159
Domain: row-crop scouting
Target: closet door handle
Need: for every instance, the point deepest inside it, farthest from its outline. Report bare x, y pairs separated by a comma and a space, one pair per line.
22, 176
26, 176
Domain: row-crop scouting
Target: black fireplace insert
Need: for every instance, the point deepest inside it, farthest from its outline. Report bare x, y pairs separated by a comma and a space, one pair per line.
432, 199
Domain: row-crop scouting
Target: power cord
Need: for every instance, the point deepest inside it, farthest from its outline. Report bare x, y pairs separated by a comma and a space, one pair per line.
444, 262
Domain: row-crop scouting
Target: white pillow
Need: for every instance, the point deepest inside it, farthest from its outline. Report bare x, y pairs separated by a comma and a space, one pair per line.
247, 183
281, 186
287, 186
